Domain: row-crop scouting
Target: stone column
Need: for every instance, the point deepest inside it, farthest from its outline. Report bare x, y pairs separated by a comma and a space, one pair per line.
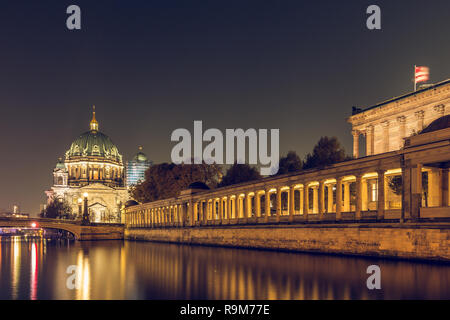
229, 207
346, 196
188, 214
257, 204
291, 203
419, 116
416, 191
330, 198
321, 199
445, 187
247, 205
305, 200
381, 195
250, 208
174, 214
209, 210
201, 212
355, 134
195, 213
401, 130
266, 205
339, 198
237, 207
385, 125
364, 195
358, 197
221, 210
278, 204
369, 140
178, 215
315, 199
300, 205
434, 187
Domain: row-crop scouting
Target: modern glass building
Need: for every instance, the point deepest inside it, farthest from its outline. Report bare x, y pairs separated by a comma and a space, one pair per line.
135, 172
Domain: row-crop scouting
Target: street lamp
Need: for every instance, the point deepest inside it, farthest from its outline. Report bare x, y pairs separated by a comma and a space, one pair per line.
80, 204
85, 220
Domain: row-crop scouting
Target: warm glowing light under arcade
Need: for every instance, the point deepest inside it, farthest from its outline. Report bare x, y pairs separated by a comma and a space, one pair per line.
34, 225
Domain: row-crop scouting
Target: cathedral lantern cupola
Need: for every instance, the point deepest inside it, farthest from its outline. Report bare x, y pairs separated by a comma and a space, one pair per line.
94, 122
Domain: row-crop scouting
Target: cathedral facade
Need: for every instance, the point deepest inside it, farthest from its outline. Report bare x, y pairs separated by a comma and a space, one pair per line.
93, 169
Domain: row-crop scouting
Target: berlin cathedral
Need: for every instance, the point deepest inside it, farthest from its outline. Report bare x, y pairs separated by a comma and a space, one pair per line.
92, 169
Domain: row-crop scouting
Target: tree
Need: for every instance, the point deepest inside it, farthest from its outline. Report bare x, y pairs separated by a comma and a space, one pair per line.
166, 180
326, 152
290, 163
238, 173
58, 208
396, 185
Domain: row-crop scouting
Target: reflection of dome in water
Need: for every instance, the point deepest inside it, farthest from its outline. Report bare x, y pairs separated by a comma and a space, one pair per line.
438, 124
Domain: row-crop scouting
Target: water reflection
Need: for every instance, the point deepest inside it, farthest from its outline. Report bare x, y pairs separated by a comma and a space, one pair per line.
36, 269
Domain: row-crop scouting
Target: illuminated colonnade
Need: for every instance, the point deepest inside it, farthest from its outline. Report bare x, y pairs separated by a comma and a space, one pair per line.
407, 184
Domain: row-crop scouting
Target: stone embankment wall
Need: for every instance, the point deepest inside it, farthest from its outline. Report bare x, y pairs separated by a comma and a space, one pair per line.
408, 240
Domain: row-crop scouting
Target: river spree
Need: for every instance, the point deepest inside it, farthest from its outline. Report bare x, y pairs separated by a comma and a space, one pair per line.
37, 269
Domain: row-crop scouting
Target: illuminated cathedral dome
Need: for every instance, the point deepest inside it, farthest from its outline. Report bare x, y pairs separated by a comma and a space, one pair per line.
94, 158
94, 144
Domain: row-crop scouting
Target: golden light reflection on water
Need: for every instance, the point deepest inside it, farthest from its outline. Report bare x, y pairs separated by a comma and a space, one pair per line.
84, 281
34, 272
15, 266
137, 270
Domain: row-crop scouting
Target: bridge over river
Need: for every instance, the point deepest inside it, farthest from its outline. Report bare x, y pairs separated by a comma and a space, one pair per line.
92, 231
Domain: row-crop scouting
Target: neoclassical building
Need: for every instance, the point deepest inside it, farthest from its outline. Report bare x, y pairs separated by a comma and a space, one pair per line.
92, 166
385, 126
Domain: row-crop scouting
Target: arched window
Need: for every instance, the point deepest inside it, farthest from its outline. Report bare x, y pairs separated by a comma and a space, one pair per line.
96, 150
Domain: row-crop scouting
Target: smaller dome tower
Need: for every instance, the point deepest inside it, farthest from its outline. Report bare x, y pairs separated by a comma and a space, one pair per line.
135, 169
60, 174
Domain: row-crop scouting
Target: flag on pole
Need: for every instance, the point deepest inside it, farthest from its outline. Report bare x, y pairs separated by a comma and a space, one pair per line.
422, 74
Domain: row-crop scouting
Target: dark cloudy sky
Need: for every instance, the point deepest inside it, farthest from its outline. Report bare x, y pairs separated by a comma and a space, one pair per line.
153, 66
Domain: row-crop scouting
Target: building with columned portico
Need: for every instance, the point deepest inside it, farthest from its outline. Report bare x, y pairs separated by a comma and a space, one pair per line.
383, 127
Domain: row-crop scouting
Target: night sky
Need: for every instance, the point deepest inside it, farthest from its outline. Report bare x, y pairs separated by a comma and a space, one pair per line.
151, 67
